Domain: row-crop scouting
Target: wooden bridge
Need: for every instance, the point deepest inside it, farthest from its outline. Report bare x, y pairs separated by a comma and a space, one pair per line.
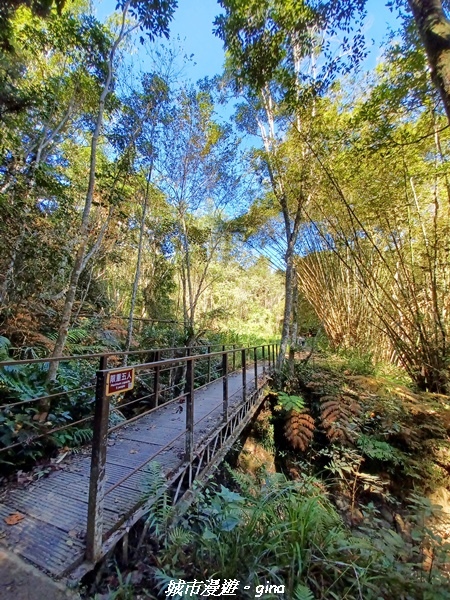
184, 413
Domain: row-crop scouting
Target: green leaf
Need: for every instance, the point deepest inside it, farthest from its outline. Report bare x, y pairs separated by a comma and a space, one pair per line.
289, 402
302, 592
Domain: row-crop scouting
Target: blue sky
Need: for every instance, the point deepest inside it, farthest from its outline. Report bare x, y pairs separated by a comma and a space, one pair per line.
193, 24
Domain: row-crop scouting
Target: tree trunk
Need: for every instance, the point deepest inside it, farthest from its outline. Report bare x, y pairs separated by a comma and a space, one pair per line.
294, 323
137, 273
84, 228
434, 29
67, 310
288, 302
8, 278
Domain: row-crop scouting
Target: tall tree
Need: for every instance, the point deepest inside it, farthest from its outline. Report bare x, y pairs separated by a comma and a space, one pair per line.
144, 116
197, 170
377, 271
154, 18
64, 58
434, 28
273, 48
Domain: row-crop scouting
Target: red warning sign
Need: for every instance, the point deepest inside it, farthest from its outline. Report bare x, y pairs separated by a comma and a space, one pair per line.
119, 380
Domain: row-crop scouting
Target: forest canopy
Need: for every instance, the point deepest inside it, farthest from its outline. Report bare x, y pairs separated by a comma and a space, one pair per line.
131, 200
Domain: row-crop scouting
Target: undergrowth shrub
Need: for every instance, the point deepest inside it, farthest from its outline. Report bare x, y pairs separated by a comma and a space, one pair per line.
414, 561
376, 442
357, 362
27, 424
289, 533
285, 532
391, 427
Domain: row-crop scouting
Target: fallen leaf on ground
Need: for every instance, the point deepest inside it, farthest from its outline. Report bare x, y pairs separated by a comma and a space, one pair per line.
61, 457
14, 518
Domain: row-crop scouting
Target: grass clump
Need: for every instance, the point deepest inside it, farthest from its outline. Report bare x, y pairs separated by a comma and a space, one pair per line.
284, 532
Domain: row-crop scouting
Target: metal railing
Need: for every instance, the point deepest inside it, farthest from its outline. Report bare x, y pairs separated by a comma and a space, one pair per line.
161, 377
184, 390
28, 402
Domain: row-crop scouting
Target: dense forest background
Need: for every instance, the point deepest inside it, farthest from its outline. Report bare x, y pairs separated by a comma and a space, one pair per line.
293, 196
151, 244
130, 208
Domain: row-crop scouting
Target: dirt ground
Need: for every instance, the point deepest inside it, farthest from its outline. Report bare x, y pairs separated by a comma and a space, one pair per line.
21, 581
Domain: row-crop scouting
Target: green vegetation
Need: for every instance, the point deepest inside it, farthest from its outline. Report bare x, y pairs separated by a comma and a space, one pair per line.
135, 205
352, 514
134, 216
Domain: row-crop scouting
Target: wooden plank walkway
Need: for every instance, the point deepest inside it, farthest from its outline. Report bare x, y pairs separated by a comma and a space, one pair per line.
52, 531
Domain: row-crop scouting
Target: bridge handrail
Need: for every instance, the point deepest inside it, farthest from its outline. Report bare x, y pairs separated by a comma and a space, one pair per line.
97, 491
158, 366
107, 354
166, 362
167, 380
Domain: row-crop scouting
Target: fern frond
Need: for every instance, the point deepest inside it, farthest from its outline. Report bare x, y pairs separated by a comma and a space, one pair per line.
244, 481
379, 449
161, 579
289, 402
82, 436
179, 537
299, 429
302, 592
17, 381
339, 417
5, 346
155, 493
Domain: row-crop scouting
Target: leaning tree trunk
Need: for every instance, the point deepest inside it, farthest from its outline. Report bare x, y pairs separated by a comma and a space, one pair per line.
137, 273
434, 29
79, 262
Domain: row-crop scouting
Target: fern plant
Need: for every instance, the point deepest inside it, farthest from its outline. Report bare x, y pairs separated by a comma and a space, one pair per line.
5, 347
299, 429
290, 402
379, 450
285, 532
154, 493
26, 384
80, 340
302, 592
299, 425
339, 417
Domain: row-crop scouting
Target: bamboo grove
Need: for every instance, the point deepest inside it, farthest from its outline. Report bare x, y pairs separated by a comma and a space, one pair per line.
355, 167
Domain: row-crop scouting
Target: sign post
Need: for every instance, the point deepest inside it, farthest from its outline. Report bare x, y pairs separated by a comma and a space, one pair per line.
108, 383
119, 380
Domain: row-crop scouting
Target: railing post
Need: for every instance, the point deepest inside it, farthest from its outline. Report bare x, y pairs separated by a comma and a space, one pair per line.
244, 374
156, 385
264, 358
255, 358
225, 385
223, 350
234, 357
94, 529
189, 391
209, 364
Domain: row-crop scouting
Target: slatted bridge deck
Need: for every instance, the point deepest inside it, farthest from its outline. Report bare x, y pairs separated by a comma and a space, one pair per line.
69, 519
